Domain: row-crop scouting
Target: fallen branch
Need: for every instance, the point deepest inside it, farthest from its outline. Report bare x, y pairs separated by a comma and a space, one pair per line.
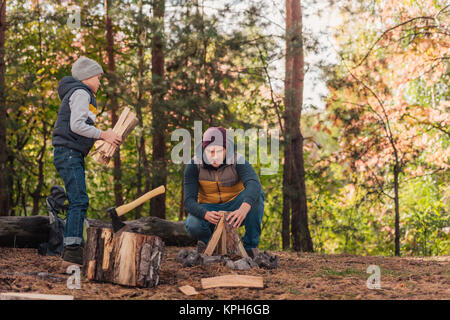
29, 232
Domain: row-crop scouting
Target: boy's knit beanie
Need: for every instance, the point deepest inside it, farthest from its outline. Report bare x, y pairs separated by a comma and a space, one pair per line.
85, 68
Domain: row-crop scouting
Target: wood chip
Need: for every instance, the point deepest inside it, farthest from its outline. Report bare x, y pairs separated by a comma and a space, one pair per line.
188, 290
233, 280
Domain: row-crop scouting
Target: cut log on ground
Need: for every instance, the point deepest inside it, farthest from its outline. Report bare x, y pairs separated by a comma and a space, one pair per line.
233, 280
125, 258
32, 296
171, 232
29, 232
124, 125
23, 232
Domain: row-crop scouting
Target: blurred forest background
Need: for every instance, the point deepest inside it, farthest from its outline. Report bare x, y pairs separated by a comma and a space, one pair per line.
375, 150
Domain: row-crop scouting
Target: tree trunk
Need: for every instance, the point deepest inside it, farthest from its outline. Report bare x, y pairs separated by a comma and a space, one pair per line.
142, 159
29, 232
285, 231
397, 210
294, 141
130, 259
159, 121
4, 185
137, 212
36, 195
117, 172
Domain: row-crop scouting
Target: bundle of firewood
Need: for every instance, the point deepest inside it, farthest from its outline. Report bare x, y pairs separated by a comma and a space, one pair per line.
126, 123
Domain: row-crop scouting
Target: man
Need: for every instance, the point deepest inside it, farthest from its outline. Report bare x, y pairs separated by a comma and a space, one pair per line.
219, 185
73, 136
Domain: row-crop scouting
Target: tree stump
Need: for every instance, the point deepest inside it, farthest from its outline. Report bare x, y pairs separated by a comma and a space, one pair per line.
126, 258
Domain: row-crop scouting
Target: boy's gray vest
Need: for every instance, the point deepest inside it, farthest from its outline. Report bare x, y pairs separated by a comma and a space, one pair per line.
62, 134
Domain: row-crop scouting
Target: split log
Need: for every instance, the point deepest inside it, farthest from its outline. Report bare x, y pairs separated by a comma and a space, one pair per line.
126, 258
29, 232
124, 125
216, 237
32, 296
233, 240
225, 239
232, 280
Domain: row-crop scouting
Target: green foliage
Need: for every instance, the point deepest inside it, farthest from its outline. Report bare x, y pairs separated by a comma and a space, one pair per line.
426, 217
216, 75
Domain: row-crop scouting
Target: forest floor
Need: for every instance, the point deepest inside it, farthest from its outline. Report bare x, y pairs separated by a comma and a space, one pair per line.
300, 276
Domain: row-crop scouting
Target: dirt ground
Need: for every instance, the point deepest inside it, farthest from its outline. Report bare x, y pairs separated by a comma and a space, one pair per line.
300, 276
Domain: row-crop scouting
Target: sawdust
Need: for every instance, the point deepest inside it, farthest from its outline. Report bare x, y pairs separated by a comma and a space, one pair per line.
300, 276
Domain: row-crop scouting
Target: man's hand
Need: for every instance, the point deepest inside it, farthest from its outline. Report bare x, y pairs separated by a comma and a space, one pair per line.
111, 137
237, 217
212, 216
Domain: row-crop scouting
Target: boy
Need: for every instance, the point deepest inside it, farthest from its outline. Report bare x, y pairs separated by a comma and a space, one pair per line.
73, 136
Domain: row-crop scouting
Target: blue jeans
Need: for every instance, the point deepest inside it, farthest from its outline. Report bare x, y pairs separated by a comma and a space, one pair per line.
202, 230
70, 165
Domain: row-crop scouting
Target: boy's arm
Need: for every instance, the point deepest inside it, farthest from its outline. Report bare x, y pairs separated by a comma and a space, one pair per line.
79, 112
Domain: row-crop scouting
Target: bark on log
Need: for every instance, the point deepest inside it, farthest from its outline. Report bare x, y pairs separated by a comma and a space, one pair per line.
125, 258
23, 232
225, 239
172, 233
233, 241
29, 232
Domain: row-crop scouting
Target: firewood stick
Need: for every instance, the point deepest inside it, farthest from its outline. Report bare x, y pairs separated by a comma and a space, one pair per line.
120, 131
124, 125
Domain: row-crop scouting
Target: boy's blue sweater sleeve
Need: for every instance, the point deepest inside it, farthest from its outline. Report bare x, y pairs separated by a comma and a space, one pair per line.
251, 182
191, 192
